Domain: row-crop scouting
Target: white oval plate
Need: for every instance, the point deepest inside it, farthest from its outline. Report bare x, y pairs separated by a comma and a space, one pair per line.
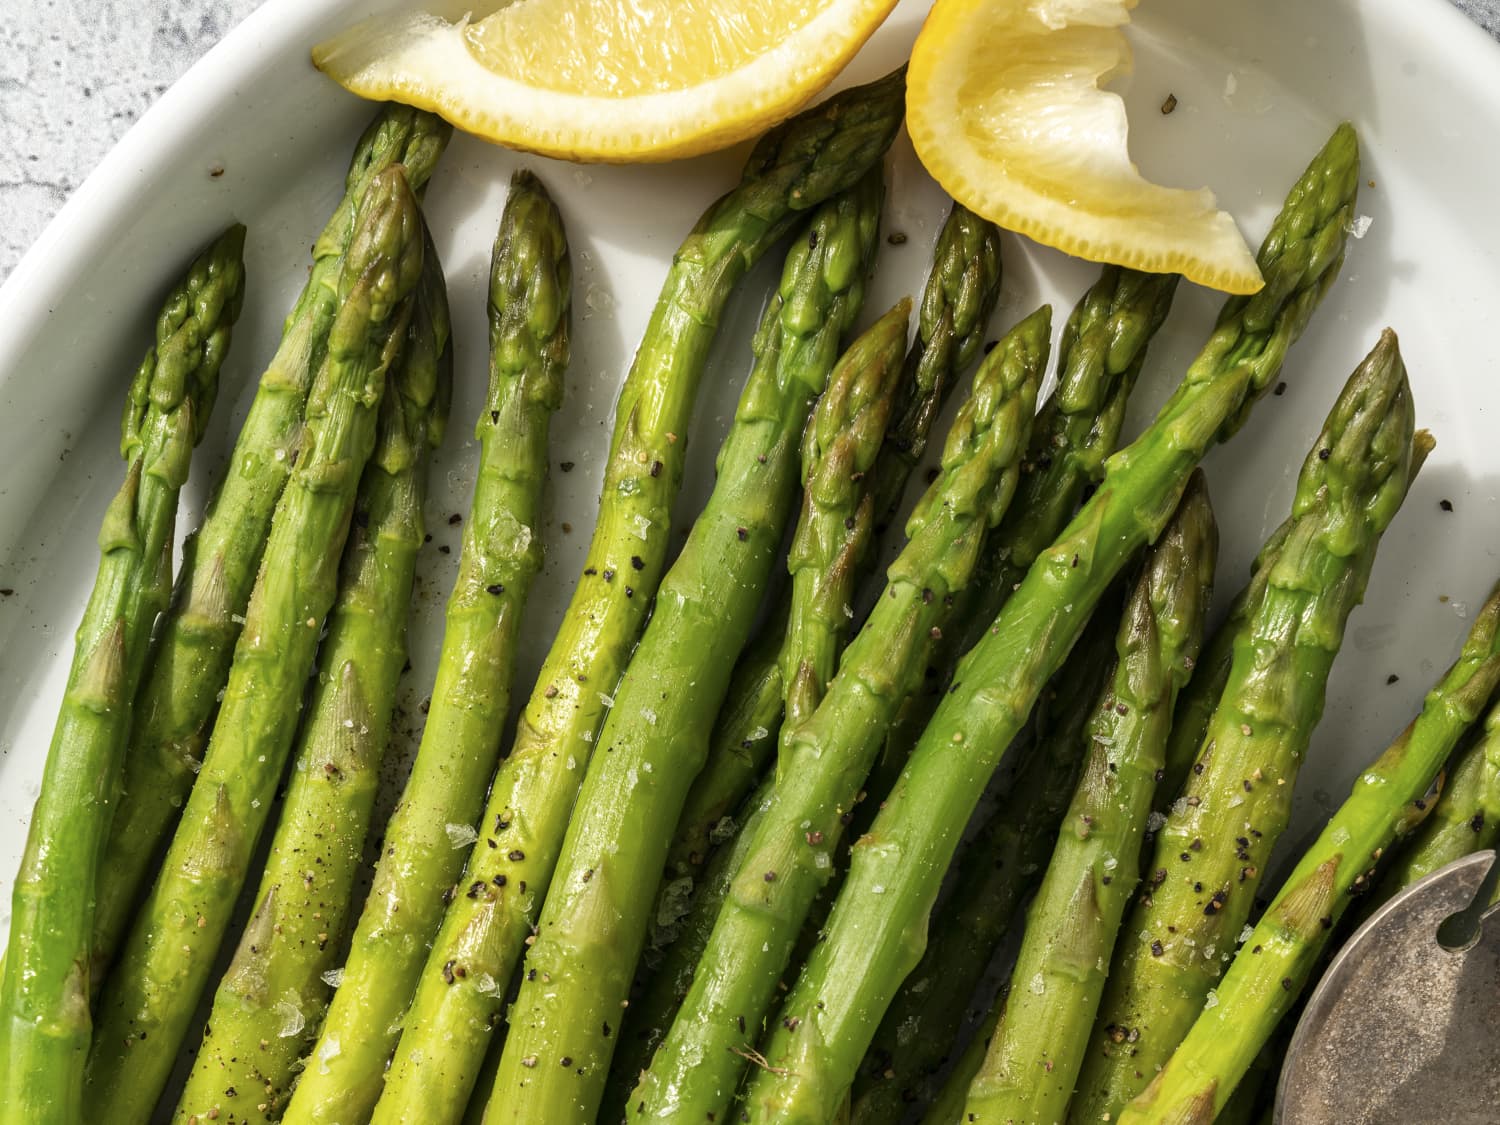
254, 133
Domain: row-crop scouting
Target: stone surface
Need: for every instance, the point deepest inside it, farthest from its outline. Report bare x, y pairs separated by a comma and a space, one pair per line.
74, 74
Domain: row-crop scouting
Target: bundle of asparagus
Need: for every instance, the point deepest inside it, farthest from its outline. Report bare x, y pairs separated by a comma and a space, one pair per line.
720, 875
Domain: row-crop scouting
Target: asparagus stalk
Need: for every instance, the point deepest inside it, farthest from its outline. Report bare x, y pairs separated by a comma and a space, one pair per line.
876, 936
795, 167
1466, 818
1200, 695
831, 540
825, 756
1100, 356
444, 1029
148, 1001
273, 995
1207, 861
529, 308
593, 924
1034, 1057
189, 663
1002, 864
1276, 960
44, 981
957, 300
1102, 350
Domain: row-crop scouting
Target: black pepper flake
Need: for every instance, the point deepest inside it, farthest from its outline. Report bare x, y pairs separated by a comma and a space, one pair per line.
515, 855
551, 692
498, 880
589, 572
629, 592
607, 1031
448, 972
444, 549
741, 1021
566, 466
1169, 105
475, 888
742, 533
495, 588
1156, 949
1392, 678
454, 519
1324, 454
448, 895
770, 876
1280, 389
1476, 822
494, 415
1159, 876
656, 468
1216, 903
896, 238
638, 562
1446, 505
1286, 984
566, 1060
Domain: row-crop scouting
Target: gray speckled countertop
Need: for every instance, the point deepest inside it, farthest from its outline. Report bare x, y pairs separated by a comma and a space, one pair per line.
74, 75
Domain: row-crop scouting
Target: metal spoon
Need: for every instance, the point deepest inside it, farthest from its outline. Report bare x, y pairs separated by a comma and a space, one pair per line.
1403, 1029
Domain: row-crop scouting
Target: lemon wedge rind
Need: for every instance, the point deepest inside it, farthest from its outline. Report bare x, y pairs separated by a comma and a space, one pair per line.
1006, 110
434, 64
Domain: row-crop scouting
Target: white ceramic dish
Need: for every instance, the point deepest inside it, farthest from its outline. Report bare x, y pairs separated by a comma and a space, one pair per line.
1259, 84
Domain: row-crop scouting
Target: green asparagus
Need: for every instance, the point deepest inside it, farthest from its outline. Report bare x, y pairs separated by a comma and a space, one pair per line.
961, 291
45, 980
828, 550
190, 661
272, 998
795, 167
1206, 865
824, 757
1200, 695
877, 931
1466, 818
593, 924
149, 999
1101, 353
529, 311
1275, 961
1002, 864
1071, 926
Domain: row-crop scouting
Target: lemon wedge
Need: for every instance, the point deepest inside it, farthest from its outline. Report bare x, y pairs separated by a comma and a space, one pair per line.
1005, 109
608, 80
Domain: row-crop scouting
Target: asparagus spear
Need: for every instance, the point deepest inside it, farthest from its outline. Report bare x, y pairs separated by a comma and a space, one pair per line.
148, 1001
1101, 353
190, 662
959, 295
1003, 863
877, 930
1034, 1057
1207, 861
1200, 695
1276, 960
529, 303
593, 924
1466, 818
824, 758
273, 996
831, 540
44, 981
795, 167
961, 291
